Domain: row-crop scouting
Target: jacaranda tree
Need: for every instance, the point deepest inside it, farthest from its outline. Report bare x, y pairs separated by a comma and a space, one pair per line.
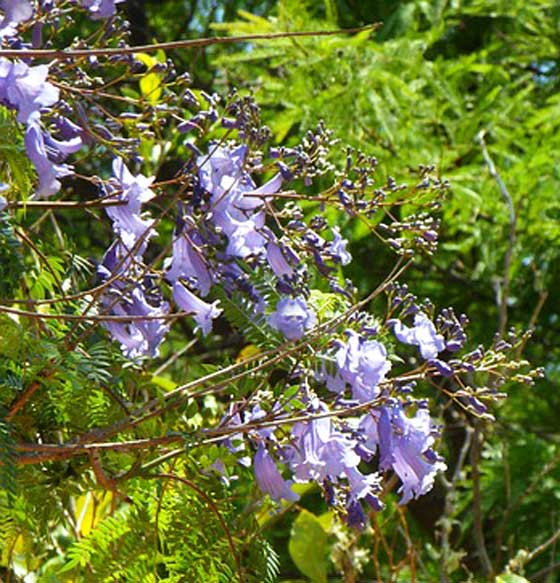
184, 357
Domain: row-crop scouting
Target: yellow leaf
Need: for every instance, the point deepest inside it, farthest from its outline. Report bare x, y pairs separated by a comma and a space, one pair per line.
150, 83
150, 86
246, 352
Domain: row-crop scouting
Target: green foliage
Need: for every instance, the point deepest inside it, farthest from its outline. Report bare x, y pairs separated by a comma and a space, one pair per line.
308, 546
11, 263
8, 467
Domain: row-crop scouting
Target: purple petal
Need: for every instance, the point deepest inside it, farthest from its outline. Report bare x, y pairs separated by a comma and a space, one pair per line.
203, 312
292, 317
269, 478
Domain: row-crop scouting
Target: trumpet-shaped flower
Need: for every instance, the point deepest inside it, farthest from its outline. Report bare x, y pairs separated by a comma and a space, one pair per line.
423, 334
100, 9
292, 317
202, 312
236, 203
269, 478
188, 262
138, 337
405, 445
48, 172
133, 191
25, 88
337, 248
362, 364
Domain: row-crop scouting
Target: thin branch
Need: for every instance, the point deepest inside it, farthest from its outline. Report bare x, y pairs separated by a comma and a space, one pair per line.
64, 54
505, 285
94, 318
449, 506
477, 503
541, 548
535, 483
22, 399
63, 204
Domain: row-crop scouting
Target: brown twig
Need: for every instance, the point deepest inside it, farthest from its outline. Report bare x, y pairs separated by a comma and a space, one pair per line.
64, 54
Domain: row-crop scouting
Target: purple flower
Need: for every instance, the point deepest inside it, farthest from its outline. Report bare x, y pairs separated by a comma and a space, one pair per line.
442, 367
244, 238
236, 203
138, 337
337, 248
362, 364
292, 317
133, 191
405, 445
355, 516
47, 171
322, 453
269, 478
188, 262
203, 312
423, 335
15, 12
100, 9
25, 88
277, 261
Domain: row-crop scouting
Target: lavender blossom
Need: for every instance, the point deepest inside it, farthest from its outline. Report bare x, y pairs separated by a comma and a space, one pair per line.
405, 445
203, 312
100, 9
138, 338
269, 478
362, 364
277, 261
236, 203
47, 171
15, 12
25, 88
292, 317
133, 191
322, 453
423, 335
188, 262
337, 248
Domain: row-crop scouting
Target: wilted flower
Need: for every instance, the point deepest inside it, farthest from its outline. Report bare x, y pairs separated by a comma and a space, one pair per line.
202, 312
292, 317
423, 335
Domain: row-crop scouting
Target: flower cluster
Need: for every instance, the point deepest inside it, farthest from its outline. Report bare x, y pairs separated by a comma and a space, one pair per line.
348, 415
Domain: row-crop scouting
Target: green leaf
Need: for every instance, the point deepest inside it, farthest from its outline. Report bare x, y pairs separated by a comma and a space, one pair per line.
510, 578
307, 547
